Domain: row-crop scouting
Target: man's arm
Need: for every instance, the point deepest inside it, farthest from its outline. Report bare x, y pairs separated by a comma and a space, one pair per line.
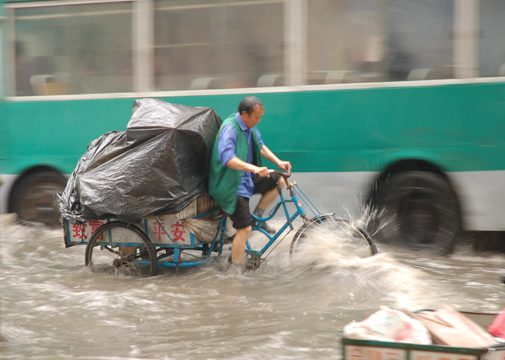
237, 164
270, 156
227, 156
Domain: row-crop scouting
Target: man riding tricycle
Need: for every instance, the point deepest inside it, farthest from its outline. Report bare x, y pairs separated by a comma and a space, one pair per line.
163, 193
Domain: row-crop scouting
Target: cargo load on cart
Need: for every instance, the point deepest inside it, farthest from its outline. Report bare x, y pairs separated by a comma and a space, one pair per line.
444, 334
158, 166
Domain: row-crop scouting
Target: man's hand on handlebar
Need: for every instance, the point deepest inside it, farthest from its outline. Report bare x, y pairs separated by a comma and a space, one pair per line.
284, 175
262, 172
284, 165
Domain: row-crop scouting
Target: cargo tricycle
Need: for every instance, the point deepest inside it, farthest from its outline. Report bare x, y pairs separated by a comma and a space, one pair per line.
199, 235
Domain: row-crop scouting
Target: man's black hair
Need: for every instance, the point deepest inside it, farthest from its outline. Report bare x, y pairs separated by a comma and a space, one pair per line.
248, 104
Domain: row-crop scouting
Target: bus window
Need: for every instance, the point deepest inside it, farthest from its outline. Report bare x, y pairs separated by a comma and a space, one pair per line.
345, 41
73, 49
204, 44
420, 40
492, 42
375, 40
2, 70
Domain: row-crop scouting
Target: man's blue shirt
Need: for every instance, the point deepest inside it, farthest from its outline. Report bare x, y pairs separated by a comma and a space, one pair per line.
226, 147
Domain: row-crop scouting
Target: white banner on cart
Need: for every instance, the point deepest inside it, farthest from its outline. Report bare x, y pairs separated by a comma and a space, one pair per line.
83, 232
379, 353
158, 231
374, 353
168, 232
495, 354
431, 355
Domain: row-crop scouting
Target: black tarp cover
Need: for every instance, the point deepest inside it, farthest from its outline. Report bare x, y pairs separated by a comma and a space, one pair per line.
158, 166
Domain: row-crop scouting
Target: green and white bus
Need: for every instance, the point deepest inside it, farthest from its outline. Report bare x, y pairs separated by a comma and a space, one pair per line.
394, 104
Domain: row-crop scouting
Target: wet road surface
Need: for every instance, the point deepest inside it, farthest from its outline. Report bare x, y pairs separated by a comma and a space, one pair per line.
53, 307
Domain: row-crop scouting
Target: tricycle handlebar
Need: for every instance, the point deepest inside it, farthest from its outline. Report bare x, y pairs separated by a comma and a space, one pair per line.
285, 175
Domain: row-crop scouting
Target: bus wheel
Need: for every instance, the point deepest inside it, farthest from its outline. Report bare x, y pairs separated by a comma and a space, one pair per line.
419, 211
33, 197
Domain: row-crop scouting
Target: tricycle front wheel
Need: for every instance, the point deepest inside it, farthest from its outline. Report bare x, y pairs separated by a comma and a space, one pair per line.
120, 248
346, 236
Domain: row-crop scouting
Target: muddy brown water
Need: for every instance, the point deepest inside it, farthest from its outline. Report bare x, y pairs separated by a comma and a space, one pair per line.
52, 307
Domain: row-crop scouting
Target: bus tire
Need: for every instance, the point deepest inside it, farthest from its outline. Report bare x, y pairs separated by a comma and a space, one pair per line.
33, 197
417, 210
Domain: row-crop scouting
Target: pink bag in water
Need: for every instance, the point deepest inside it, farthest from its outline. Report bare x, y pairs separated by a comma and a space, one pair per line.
497, 329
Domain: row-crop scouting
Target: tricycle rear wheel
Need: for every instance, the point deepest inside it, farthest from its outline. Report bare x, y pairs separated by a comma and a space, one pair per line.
121, 248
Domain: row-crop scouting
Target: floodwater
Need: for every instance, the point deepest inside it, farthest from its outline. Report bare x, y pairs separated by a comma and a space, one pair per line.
52, 307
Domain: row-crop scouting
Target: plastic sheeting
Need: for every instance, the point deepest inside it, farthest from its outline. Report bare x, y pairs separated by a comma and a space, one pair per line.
158, 166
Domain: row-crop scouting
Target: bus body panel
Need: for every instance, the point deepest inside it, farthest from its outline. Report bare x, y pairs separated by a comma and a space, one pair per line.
372, 95
360, 130
481, 200
354, 134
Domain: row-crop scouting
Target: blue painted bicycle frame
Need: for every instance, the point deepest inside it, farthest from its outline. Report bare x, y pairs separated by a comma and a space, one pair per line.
289, 222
